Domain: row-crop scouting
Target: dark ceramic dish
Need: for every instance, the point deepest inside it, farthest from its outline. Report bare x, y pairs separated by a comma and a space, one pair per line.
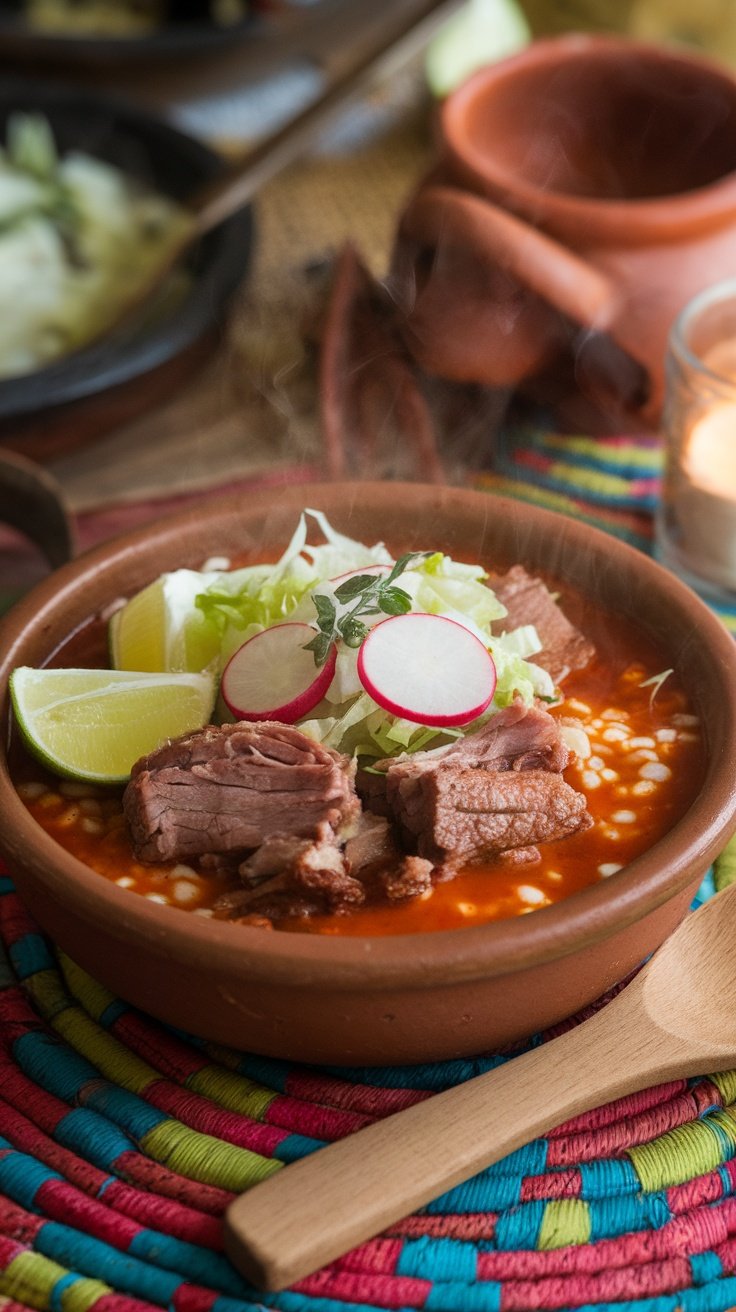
395, 999
81, 395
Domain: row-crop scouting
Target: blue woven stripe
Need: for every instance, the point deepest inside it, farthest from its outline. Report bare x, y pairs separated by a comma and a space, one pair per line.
706, 1267
568, 487
483, 1193
465, 1298
92, 1137
288, 1301
295, 1146
52, 1065
93, 1258
21, 1177
126, 1109
29, 955
113, 1011
56, 1297
612, 1217
520, 1228
438, 1259
436, 1076
200, 1265
608, 1178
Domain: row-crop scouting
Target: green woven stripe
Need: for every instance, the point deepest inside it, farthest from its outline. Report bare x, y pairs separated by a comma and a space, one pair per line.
724, 868
204, 1158
235, 1092
680, 1155
565, 1221
726, 1082
31, 1278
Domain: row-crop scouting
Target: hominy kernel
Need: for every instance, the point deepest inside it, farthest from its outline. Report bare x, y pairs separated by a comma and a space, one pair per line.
125, 881
644, 788
581, 707
92, 826
613, 714
595, 763
643, 754
555, 876
207, 912
655, 770
533, 896
609, 868
183, 871
615, 734
609, 775
610, 832
682, 720
591, 779
596, 724
688, 737
666, 735
157, 897
624, 817
184, 891
30, 791
640, 742
90, 806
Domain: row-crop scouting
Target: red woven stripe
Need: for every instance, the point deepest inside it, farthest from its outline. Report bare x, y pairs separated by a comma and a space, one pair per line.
189, 1299
312, 1120
381, 1291
621, 1109
378, 1257
16, 1221
16, 1017
698, 1233
15, 921
634, 1282
201, 1114
27, 1138
9, 1249
159, 1180
563, 1184
471, 1226
166, 1215
61, 1202
121, 1303
364, 1098
167, 1054
614, 1140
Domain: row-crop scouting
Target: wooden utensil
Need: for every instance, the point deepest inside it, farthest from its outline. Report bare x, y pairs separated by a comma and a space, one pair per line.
677, 1018
382, 37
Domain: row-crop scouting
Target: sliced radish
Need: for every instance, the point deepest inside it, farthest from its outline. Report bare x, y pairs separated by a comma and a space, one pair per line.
428, 669
273, 677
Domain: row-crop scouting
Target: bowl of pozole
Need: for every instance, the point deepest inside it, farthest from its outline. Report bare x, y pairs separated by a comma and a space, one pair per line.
364, 772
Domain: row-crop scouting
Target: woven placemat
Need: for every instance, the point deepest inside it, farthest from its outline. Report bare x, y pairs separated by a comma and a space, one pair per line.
123, 1141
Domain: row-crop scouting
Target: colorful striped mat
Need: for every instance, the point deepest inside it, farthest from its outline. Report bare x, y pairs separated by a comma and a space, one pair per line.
612, 483
121, 1143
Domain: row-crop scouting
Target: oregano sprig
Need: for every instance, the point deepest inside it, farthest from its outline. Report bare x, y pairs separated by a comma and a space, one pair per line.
373, 594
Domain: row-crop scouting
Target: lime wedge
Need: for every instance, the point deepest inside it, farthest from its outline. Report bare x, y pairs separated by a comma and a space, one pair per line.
161, 629
95, 724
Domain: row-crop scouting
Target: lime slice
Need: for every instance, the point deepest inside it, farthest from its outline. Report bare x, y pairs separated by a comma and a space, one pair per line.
161, 629
95, 724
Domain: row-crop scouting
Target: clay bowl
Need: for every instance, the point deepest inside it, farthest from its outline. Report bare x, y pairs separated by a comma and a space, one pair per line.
76, 398
396, 999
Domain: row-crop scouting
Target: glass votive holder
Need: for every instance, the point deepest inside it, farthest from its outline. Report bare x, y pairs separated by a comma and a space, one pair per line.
696, 520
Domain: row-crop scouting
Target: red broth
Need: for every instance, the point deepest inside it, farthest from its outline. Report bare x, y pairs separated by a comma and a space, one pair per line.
645, 768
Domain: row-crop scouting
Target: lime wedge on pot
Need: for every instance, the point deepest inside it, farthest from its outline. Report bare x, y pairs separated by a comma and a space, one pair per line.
160, 628
95, 724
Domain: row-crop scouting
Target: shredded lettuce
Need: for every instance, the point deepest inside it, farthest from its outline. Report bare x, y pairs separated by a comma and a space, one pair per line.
242, 602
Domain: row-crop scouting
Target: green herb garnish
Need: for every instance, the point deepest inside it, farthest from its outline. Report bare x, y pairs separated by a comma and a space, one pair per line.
372, 595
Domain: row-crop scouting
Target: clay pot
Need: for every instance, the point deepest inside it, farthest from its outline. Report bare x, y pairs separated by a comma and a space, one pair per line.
394, 999
588, 191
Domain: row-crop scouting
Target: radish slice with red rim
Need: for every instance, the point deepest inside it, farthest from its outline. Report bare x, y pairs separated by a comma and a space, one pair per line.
273, 677
374, 570
428, 669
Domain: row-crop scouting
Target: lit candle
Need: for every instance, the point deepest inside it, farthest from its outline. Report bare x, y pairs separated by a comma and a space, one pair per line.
707, 494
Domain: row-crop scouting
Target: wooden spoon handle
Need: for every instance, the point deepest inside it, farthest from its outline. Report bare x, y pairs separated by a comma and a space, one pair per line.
323, 1205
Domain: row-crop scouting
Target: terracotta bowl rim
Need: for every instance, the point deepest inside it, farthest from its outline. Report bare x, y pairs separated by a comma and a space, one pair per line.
695, 205
416, 960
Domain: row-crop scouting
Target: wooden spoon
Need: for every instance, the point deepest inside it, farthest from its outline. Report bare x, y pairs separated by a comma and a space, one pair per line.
677, 1018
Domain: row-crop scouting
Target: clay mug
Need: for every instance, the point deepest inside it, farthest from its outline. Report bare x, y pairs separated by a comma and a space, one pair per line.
587, 191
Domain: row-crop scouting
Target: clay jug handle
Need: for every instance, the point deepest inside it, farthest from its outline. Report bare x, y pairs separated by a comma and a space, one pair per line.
439, 214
